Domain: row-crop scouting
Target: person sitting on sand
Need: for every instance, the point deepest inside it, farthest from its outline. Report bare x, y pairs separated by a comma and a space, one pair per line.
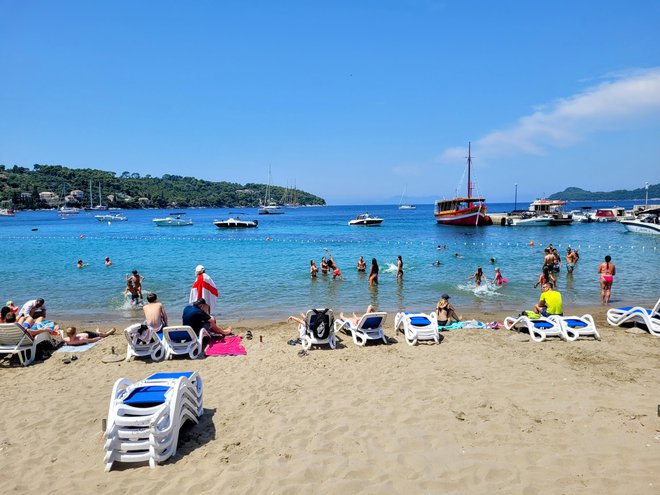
550, 301
154, 313
82, 338
445, 311
355, 319
196, 318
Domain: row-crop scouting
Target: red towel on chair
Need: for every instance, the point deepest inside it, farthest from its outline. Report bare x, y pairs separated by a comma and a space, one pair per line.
229, 346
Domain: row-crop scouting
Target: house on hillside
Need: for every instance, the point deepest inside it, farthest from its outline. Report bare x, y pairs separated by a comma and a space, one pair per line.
50, 198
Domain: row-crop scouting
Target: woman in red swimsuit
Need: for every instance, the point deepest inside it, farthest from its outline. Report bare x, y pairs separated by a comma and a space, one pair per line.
607, 270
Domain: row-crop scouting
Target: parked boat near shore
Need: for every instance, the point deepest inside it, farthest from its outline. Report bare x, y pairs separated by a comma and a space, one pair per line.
465, 211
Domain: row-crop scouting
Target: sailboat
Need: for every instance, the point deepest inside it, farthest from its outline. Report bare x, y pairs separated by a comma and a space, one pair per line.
468, 211
100, 206
269, 207
403, 206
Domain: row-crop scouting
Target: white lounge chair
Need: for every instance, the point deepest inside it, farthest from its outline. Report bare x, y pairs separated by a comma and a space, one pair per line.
417, 326
318, 329
182, 340
577, 326
143, 342
14, 339
144, 418
539, 329
368, 327
650, 318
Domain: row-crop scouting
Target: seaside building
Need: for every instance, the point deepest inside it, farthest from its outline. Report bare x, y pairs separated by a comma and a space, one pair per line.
50, 198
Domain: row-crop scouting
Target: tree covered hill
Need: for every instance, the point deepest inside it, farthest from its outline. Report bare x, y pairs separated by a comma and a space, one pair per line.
129, 190
577, 194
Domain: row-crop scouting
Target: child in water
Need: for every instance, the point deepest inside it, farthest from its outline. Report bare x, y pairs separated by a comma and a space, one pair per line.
499, 280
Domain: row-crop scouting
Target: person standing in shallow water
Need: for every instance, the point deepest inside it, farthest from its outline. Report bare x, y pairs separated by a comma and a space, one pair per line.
607, 270
399, 268
373, 273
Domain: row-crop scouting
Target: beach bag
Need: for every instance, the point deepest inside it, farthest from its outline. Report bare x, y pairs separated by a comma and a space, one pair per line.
319, 323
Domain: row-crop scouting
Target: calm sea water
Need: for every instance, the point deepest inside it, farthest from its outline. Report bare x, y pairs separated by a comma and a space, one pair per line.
264, 272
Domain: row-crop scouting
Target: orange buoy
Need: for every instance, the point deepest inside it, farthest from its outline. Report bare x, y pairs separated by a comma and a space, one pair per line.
82, 236
531, 243
268, 238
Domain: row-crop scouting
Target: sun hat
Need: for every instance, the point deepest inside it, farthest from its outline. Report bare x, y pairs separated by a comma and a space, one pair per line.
199, 269
444, 296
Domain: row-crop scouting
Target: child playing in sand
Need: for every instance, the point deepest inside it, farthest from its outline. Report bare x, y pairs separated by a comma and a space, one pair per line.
75, 338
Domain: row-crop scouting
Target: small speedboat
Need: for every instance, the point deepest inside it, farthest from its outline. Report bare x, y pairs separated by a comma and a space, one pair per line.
7, 212
173, 220
235, 223
111, 217
538, 221
647, 225
366, 220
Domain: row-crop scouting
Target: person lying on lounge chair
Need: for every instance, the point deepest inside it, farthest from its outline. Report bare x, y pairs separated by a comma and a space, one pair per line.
356, 318
75, 338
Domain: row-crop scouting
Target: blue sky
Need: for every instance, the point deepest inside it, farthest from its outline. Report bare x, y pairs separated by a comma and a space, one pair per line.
353, 101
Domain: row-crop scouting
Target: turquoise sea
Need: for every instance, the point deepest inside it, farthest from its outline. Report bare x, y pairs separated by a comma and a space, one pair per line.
264, 272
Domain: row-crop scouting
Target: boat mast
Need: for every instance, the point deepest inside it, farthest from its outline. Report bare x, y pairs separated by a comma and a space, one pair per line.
90, 194
469, 181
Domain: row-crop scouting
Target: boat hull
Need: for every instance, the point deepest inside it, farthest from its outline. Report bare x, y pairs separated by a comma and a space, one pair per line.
166, 222
366, 223
530, 222
229, 224
271, 210
641, 227
468, 217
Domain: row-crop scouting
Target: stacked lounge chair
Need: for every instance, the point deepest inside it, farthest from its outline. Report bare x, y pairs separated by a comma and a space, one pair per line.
144, 418
417, 326
650, 318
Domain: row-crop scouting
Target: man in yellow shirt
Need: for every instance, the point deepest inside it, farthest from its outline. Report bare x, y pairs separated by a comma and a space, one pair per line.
550, 301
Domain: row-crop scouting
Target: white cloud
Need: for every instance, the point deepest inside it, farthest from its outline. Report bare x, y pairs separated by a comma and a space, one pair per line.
610, 105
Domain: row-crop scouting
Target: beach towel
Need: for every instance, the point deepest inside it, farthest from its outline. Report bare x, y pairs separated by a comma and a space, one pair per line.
452, 326
229, 346
76, 348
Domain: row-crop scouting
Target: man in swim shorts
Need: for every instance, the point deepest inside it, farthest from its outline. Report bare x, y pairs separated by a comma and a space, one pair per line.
607, 270
571, 259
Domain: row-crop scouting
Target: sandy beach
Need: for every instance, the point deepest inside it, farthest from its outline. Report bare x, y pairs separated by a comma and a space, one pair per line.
486, 411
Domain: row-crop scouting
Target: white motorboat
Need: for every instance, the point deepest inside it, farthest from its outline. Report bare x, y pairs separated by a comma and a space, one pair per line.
66, 211
173, 220
540, 221
7, 212
366, 220
111, 217
648, 224
552, 208
271, 209
235, 223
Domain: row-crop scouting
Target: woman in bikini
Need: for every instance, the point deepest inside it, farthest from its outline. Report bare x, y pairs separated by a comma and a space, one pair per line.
607, 270
545, 277
478, 276
324, 266
373, 273
313, 269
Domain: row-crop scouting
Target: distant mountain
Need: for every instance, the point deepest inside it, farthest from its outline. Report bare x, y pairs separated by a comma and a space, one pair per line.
577, 194
52, 185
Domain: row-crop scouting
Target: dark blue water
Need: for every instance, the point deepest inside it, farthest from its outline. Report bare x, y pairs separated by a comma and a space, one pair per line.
264, 272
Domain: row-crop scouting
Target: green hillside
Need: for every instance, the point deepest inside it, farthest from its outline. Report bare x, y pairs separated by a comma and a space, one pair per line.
129, 190
577, 194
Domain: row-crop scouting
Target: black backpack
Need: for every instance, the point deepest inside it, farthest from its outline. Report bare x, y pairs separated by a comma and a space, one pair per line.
319, 323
